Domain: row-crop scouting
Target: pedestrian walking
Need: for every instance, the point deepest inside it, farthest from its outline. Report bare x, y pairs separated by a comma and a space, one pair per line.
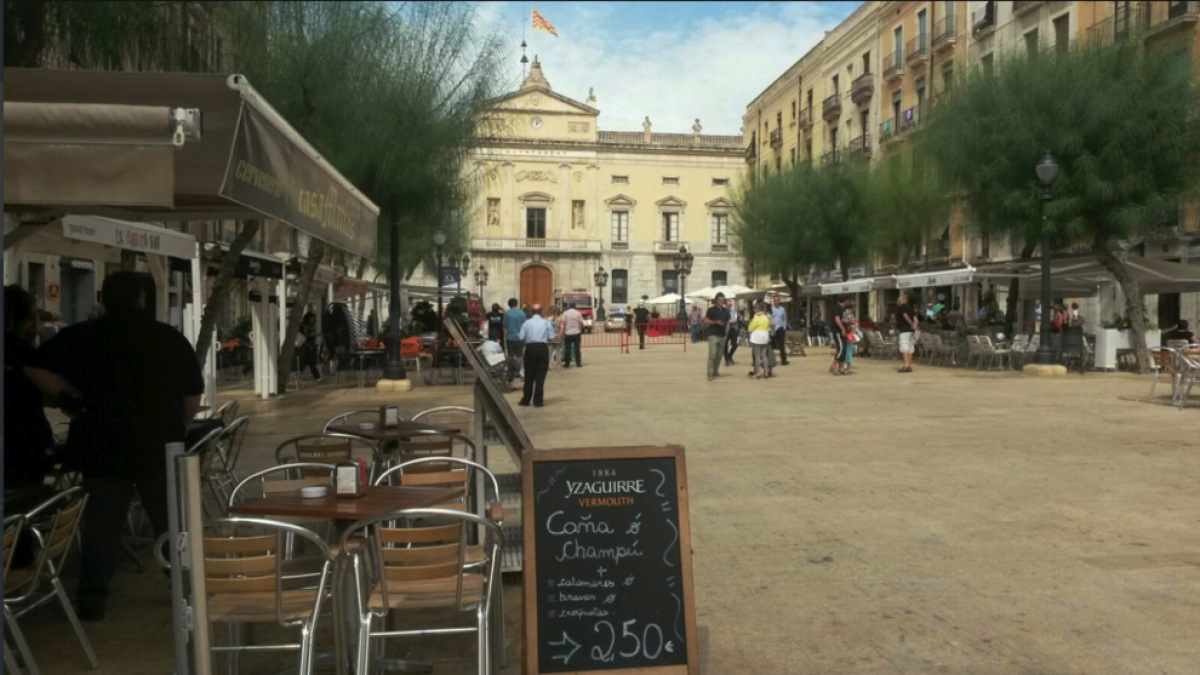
695, 319
839, 333
641, 318
760, 341
373, 325
1076, 318
27, 436
573, 336
306, 340
141, 387
852, 339
906, 330
495, 322
513, 320
731, 335
716, 325
779, 328
536, 335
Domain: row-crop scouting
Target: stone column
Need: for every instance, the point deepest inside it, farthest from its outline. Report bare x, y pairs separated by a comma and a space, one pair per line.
508, 209
564, 209
593, 179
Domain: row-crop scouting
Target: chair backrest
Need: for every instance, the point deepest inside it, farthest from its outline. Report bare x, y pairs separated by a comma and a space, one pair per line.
236, 563
61, 514
412, 347
1177, 344
1167, 359
227, 413
327, 448
402, 552
284, 485
448, 472
348, 418
453, 416
1020, 342
12, 533
985, 345
973, 343
231, 441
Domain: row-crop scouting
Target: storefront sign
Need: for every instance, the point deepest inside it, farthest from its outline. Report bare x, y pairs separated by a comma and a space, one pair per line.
270, 174
250, 266
141, 237
856, 286
451, 276
608, 574
943, 278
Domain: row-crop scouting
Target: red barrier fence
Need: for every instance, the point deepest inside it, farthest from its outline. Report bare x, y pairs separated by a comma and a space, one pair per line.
659, 333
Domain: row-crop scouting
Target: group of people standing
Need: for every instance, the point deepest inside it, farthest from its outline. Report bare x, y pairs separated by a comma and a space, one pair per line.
526, 336
720, 325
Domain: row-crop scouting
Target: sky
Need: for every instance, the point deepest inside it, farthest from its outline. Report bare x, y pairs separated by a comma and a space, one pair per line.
673, 61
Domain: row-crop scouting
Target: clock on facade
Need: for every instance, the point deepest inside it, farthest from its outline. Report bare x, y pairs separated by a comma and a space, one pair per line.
535, 123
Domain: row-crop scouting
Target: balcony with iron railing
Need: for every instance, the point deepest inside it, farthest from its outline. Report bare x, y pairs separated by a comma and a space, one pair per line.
669, 247
916, 51
860, 147
888, 131
893, 65
805, 119
1125, 19
912, 119
832, 107
983, 20
1178, 13
535, 244
1023, 7
945, 33
831, 157
776, 139
862, 89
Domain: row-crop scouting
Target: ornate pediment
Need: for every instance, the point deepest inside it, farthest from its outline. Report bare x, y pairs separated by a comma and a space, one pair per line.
671, 202
719, 203
620, 200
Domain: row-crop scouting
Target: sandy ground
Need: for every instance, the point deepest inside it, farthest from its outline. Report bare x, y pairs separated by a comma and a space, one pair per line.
937, 522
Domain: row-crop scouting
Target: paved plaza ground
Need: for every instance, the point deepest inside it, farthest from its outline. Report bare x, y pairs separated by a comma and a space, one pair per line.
942, 521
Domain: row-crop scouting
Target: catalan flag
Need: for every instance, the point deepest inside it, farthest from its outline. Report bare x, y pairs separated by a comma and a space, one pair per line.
539, 23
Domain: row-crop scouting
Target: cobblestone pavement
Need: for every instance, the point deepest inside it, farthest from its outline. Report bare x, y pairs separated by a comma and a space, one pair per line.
942, 521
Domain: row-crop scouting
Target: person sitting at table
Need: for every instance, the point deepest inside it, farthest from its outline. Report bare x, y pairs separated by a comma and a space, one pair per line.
495, 360
1179, 332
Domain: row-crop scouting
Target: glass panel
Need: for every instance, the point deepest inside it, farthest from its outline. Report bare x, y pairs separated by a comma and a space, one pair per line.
719, 278
620, 225
535, 223
670, 281
620, 286
670, 227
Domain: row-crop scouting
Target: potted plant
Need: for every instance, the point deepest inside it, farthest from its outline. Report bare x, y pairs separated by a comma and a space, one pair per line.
1113, 337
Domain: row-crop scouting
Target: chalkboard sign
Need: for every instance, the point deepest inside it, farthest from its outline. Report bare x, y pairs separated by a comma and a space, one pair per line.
608, 562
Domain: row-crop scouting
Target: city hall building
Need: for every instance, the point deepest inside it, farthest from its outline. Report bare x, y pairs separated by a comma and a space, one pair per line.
559, 199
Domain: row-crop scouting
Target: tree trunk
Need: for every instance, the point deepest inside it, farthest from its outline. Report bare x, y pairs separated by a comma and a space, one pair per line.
1133, 302
221, 287
287, 353
1014, 289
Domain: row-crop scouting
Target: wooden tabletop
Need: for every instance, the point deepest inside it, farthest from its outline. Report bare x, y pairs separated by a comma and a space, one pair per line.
378, 499
387, 433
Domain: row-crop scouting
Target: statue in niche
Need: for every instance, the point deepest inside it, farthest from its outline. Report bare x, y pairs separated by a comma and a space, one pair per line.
577, 216
493, 214
696, 127
646, 126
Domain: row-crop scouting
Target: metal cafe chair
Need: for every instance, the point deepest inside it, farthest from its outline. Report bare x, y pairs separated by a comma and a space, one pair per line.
401, 567
29, 588
1165, 361
247, 584
347, 418
325, 448
12, 534
1189, 375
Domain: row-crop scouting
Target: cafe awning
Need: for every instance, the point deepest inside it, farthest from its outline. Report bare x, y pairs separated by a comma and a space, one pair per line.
1082, 275
951, 277
140, 237
104, 143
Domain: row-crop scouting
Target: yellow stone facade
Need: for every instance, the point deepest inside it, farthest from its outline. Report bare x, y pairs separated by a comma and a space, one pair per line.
561, 198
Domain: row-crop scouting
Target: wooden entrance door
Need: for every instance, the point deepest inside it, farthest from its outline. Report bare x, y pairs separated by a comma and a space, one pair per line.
536, 286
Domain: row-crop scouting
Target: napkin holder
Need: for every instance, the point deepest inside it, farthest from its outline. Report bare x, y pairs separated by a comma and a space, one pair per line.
350, 479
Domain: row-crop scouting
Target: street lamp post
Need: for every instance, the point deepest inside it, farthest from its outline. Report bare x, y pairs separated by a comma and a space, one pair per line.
481, 277
462, 265
439, 240
1047, 171
601, 279
683, 267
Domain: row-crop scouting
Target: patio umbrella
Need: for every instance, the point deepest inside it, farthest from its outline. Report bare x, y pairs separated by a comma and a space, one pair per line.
668, 299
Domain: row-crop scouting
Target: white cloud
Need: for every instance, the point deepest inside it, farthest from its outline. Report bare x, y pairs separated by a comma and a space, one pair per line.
706, 69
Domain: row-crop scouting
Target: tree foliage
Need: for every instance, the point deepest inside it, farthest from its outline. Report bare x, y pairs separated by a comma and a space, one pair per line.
909, 205
1121, 123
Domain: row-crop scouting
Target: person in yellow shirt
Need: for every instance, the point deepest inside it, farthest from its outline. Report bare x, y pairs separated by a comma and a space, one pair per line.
760, 340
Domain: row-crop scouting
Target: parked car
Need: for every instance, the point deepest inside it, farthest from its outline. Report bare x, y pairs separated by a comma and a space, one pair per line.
615, 323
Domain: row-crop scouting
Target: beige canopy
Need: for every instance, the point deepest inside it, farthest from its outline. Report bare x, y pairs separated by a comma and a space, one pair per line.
169, 146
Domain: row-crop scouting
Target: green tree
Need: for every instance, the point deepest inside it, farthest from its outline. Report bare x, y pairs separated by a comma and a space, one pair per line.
908, 204
1121, 123
803, 217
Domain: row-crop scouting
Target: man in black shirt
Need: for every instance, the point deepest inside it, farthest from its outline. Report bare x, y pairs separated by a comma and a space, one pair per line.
641, 318
141, 386
716, 324
906, 326
1179, 332
838, 331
